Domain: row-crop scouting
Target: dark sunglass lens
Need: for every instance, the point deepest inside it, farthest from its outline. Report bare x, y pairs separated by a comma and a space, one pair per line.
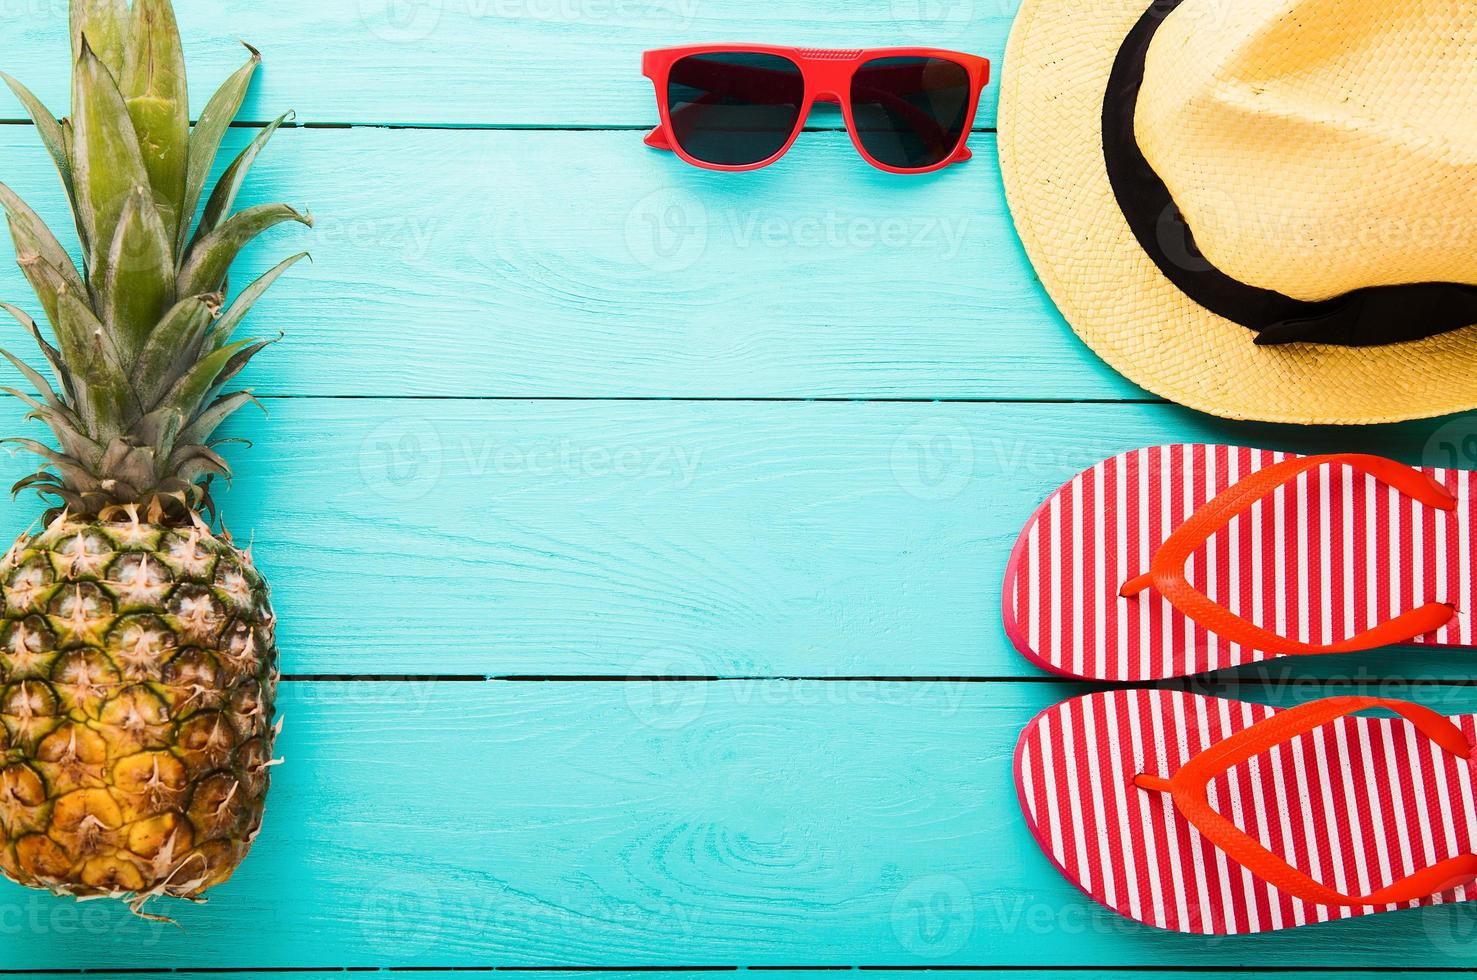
910, 112
734, 108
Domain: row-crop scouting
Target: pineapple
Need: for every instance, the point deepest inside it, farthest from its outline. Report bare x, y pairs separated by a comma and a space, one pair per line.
137, 659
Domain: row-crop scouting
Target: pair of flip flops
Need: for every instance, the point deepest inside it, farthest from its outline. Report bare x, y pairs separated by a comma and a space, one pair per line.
1205, 815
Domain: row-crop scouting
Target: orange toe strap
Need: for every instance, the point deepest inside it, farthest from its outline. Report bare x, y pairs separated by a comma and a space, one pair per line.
1167, 568
1190, 788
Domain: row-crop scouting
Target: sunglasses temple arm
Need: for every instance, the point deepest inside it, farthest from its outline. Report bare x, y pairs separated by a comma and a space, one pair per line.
657, 139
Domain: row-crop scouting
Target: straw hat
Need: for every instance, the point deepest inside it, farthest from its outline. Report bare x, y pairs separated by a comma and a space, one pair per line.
1262, 209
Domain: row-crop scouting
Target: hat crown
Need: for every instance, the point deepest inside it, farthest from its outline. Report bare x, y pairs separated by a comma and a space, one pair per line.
1317, 147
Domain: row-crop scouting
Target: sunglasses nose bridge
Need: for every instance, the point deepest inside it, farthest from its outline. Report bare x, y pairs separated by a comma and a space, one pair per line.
828, 96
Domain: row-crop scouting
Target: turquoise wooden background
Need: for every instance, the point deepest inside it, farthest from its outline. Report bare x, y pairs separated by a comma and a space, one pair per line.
637, 531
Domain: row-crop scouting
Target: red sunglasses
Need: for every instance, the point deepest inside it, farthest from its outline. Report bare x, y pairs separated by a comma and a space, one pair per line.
740, 107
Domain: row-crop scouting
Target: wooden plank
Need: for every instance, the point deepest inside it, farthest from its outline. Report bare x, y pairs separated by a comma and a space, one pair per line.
612, 824
688, 538
494, 62
535, 264
768, 974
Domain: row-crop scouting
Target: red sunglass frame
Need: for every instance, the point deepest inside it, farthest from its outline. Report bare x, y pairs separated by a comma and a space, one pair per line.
827, 73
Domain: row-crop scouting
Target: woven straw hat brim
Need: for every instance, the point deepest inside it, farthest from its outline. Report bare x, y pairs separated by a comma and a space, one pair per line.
1055, 74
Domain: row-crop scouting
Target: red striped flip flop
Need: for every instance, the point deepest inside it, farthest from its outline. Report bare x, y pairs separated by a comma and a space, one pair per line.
1176, 560
1218, 817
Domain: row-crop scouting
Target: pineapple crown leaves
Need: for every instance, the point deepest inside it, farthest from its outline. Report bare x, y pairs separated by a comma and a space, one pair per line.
142, 331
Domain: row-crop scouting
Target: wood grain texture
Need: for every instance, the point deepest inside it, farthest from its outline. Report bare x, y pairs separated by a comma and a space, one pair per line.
610, 824
675, 538
492, 62
559, 264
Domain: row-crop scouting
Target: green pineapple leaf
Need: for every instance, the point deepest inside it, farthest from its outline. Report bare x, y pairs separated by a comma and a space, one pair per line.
142, 349
50, 129
223, 198
107, 163
40, 411
192, 390
205, 142
194, 451
236, 365
211, 418
50, 285
139, 286
103, 26
159, 429
131, 467
69, 468
52, 355
57, 136
208, 260
69, 141
65, 426
39, 383
153, 85
46, 264
198, 467
106, 400
231, 319
177, 340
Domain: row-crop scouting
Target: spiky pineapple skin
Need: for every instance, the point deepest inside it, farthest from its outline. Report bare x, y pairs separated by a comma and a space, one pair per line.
138, 671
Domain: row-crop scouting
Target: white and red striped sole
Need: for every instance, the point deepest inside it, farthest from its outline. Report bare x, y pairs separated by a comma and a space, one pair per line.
1355, 804
1325, 557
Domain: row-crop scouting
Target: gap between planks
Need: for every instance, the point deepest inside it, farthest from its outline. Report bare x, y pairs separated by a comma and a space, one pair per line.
734, 400
1194, 685
1041, 971
477, 128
